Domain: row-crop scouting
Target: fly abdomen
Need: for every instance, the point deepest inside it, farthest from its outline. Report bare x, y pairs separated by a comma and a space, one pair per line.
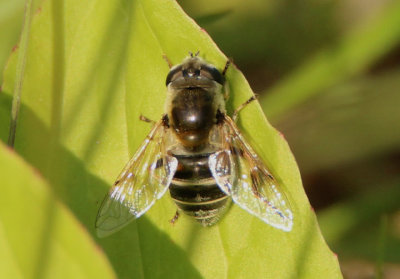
195, 191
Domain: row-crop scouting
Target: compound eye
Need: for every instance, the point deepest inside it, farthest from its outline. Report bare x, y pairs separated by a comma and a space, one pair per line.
173, 74
213, 74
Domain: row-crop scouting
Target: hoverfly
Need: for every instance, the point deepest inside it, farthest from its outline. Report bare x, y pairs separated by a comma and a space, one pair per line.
198, 153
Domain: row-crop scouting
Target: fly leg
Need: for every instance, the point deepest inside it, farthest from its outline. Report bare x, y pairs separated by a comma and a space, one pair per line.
175, 218
226, 86
165, 57
242, 106
145, 119
228, 63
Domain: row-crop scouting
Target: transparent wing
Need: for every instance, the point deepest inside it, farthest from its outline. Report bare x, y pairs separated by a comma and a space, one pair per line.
144, 179
242, 175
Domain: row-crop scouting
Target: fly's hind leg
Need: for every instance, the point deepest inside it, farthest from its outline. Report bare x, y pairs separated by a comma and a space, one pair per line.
175, 218
242, 106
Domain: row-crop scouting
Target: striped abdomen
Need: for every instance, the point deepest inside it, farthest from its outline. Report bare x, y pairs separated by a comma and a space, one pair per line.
195, 191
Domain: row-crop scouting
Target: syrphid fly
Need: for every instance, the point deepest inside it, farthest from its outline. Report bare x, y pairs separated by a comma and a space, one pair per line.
197, 152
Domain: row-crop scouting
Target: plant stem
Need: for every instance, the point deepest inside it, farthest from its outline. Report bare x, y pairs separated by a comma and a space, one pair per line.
20, 72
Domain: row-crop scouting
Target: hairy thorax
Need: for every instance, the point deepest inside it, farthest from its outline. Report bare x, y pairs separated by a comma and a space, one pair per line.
192, 115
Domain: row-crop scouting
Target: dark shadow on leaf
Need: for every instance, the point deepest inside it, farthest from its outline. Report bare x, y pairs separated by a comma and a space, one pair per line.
5, 112
82, 192
113, 43
304, 252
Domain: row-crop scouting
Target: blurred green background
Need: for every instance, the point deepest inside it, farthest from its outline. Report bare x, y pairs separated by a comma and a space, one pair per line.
328, 77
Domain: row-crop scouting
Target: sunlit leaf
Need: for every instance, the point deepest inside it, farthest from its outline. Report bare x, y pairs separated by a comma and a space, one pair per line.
39, 237
92, 69
10, 26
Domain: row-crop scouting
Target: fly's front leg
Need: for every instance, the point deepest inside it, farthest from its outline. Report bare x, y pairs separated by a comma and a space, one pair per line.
145, 119
227, 64
242, 106
165, 57
226, 88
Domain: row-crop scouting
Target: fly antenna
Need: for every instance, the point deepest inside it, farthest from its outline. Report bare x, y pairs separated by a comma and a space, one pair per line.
194, 55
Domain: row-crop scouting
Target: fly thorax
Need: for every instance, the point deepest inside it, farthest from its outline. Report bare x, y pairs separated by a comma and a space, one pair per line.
192, 115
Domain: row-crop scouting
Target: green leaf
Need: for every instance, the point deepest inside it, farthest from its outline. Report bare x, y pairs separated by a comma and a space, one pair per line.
11, 13
39, 237
92, 69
